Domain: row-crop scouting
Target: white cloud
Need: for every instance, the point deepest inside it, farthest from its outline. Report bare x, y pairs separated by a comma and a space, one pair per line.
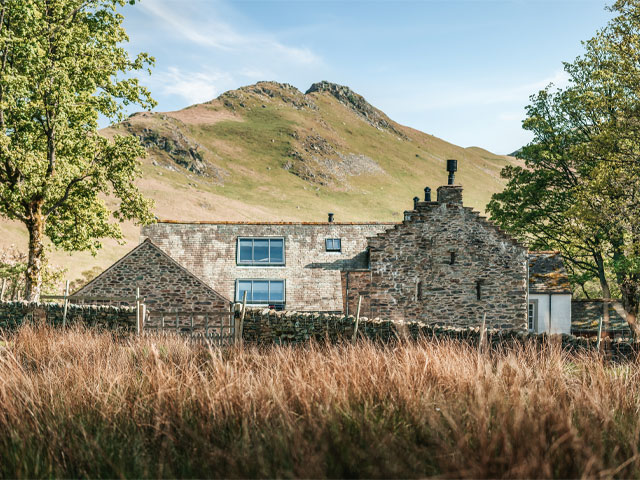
194, 87
203, 30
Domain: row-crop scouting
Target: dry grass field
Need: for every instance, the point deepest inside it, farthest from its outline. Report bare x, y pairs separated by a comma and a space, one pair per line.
81, 404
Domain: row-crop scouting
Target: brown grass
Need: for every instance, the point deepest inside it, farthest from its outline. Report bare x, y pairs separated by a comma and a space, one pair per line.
82, 404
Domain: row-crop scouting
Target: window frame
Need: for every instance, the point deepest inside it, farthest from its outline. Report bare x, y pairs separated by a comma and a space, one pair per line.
333, 249
269, 280
532, 320
254, 263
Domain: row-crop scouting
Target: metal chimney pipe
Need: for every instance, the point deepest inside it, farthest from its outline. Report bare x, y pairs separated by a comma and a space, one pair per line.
427, 194
452, 168
415, 202
331, 218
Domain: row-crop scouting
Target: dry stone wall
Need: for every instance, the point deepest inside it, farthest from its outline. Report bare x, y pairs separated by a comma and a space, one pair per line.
268, 327
118, 319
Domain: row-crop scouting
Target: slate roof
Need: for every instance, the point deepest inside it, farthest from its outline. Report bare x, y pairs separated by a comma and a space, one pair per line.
585, 317
547, 273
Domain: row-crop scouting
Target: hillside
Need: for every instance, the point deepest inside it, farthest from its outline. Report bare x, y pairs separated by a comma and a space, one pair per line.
270, 152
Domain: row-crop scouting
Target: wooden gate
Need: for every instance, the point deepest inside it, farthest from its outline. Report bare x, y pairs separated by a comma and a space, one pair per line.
216, 327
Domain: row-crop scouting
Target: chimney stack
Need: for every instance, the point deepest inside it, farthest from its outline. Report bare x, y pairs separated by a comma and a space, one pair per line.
427, 194
452, 168
331, 218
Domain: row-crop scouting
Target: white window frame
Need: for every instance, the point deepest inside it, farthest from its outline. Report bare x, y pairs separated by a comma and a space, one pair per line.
251, 302
253, 263
532, 315
332, 240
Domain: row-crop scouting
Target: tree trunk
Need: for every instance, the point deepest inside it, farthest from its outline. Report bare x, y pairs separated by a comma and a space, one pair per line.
606, 291
630, 300
33, 276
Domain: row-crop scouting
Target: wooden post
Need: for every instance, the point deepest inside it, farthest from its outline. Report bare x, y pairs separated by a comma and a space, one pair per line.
599, 333
355, 329
4, 286
483, 329
177, 321
244, 309
66, 304
221, 330
206, 327
162, 323
137, 310
191, 331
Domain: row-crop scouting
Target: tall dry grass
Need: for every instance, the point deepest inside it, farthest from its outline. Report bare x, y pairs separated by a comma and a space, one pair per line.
78, 404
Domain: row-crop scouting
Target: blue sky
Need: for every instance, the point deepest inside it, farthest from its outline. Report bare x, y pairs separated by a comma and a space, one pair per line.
462, 70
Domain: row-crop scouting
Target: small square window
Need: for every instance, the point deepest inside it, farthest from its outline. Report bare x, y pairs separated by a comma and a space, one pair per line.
333, 244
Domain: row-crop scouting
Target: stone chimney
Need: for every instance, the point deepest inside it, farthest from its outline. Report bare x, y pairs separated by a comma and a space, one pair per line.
450, 194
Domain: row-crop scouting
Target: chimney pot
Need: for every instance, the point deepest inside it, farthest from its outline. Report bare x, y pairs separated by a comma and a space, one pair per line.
427, 194
415, 202
331, 218
452, 168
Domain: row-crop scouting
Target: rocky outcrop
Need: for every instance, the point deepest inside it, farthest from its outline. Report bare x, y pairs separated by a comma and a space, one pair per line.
268, 91
170, 140
358, 104
316, 160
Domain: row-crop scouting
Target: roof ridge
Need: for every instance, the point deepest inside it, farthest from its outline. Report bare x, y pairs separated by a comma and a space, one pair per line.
233, 222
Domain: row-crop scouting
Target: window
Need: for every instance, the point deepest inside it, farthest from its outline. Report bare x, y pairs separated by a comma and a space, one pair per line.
452, 260
267, 292
333, 244
261, 251
479, 290
533, 315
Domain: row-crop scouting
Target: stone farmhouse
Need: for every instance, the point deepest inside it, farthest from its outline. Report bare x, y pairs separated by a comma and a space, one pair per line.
443, 264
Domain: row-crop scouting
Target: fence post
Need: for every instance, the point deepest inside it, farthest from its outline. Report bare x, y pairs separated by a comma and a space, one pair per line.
244, 309
483, 329
137, 310
355, 330
66, 304
4, 286
599, 333
191, 331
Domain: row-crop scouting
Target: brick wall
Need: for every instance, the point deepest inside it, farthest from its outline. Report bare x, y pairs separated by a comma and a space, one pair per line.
312, 275
430, 267
165, 285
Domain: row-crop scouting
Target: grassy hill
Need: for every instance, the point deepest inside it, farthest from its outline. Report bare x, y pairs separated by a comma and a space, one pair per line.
270, 152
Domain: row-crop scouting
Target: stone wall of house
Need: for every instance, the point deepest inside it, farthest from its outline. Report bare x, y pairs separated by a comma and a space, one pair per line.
164, 285
447, 265
118, 319
355, 284
312, 275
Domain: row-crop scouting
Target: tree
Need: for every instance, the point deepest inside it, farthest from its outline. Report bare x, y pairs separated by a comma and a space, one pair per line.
13, 266
579, 191
62, 65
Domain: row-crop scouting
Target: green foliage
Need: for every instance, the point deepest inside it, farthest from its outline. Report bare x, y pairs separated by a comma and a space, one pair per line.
579, 191
61, 63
